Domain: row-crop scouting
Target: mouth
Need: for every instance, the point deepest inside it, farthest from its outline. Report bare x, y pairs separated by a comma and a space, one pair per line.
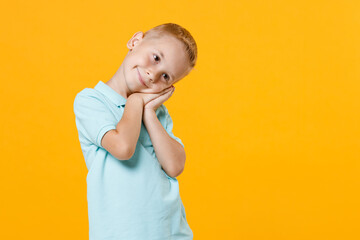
140, 78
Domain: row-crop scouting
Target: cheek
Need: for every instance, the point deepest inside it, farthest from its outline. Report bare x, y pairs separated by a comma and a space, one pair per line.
156, 89
145, 60
139, 60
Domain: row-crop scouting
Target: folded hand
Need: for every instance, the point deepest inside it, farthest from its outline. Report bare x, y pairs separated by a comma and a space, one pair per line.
160, 99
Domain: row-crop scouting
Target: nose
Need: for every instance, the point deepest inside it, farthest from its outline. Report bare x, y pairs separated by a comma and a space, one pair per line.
150, 75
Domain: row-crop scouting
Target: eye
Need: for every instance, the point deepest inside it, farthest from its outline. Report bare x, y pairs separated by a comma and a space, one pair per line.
156, 57
166, 76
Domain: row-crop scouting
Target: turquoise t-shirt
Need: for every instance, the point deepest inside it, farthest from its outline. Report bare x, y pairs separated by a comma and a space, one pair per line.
127, 199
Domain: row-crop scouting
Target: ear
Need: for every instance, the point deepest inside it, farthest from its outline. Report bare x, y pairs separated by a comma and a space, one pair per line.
136, 39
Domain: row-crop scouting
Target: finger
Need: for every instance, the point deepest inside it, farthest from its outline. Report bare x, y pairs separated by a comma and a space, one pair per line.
165, 91
165, 95
168, 89
163, 98
169, 93
158, 95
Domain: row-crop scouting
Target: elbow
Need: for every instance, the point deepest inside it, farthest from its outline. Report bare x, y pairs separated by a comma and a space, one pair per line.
177, 170
176, 173
125, 152
117, 145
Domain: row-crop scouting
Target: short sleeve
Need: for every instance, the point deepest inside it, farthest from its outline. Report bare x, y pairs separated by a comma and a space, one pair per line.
93, 117
169, 125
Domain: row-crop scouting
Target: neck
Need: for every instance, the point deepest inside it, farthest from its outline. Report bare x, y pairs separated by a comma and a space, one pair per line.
117, 82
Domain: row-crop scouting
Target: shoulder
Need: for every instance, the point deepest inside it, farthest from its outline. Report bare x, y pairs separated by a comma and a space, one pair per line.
88, 96
89, 102
87, 93
162, 109
162, 112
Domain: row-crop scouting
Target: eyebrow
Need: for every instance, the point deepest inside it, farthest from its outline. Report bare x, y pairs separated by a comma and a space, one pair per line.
162, 55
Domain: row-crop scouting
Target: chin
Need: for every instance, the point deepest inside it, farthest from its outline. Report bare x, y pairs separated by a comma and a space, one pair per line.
140, 90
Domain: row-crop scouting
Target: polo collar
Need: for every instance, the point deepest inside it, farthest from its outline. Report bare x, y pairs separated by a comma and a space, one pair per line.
110, 93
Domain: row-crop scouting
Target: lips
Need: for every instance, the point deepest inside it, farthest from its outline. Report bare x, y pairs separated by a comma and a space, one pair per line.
140, 78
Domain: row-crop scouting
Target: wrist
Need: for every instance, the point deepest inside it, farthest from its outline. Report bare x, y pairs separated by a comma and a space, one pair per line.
149, 115
137, 98
149, 110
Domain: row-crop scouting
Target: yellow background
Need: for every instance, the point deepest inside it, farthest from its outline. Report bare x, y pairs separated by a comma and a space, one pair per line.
269, 118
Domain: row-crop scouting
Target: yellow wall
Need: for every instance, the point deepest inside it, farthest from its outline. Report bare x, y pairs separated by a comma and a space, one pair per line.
269, 118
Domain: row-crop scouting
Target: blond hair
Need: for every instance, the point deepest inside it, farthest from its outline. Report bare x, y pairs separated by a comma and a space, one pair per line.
179, 33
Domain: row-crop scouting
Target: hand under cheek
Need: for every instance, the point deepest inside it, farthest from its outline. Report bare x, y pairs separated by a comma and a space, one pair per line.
156, 90
146, 90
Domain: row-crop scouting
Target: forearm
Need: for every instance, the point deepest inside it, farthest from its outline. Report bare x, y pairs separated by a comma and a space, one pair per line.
130, 123
169, 152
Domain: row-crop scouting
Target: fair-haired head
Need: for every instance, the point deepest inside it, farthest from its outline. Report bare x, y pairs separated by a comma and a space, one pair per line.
179, 33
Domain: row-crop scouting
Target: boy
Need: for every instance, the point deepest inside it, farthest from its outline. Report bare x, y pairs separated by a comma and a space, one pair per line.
126, 138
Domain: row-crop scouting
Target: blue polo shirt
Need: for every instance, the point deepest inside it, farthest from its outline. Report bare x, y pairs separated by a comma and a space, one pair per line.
127, 199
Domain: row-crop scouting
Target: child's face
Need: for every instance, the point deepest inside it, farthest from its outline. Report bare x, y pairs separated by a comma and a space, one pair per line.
147, 71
